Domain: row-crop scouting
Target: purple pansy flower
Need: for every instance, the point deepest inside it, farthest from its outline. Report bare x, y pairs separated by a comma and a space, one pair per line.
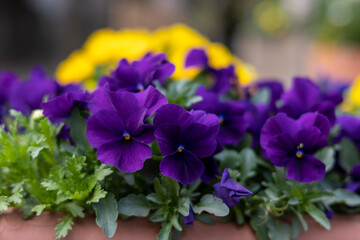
118, 130
183, 138
28, 95
225, 78
291, 143
138, 75
59, 108
229, 191
230, 114
332, 91
354, 183
305, 97
350, 128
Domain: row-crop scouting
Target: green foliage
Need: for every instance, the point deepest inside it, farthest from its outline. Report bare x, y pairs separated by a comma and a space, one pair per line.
349, 155
213, 205
134, 205
40, 175
107, 214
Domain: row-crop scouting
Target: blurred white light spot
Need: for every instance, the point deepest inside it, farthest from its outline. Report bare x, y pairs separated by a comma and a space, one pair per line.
339, 13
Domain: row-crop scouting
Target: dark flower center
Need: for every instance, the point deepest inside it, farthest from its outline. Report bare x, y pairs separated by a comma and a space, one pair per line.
300, 152
221, 119
140, 87
126, 136
181, 148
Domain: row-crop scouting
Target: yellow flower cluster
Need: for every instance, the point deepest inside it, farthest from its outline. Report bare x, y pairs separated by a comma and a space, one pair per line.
351, 102
105, 47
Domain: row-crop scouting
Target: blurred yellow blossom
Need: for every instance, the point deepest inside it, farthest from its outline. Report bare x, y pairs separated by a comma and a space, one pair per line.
105, 47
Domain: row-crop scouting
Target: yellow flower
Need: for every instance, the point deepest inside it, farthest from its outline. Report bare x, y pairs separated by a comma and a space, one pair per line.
105, 47
354, 93
75, 68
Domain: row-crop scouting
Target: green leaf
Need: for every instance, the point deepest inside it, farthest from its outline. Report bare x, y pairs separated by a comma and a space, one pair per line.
64, 226
134, 205
106, 214
184, 206
155, 198
295, 228
171, 186
74, 209
38, 209
327, 156
278, 230
98, 194
78, 130
318, 215
101, 172
258, 225
34, 151
349, 155
342, 195
175, 222
213, 205
261, 96
228, 159
165, 232
3, 203
206, 219
247, 163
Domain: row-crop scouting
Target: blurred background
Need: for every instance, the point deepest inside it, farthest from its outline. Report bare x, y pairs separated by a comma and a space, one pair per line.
280, 38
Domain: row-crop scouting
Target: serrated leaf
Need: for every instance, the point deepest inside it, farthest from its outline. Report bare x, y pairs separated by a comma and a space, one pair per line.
165, 231
213, 205
318, 215
3, 203
98, 194
35, 151
101, 172
134, 205
74, 209
184, 206
64, 226
106, 214
38, 209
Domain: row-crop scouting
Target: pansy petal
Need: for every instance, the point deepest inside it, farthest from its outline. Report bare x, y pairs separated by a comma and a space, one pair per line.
184, 167
277, 125
104, 126
164, 71
151, 99
127, 157
307, 169
317, 120
167, 136
280, 149
312, 139
199, 139
172, 114
211, 170
229, 183
196, 58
